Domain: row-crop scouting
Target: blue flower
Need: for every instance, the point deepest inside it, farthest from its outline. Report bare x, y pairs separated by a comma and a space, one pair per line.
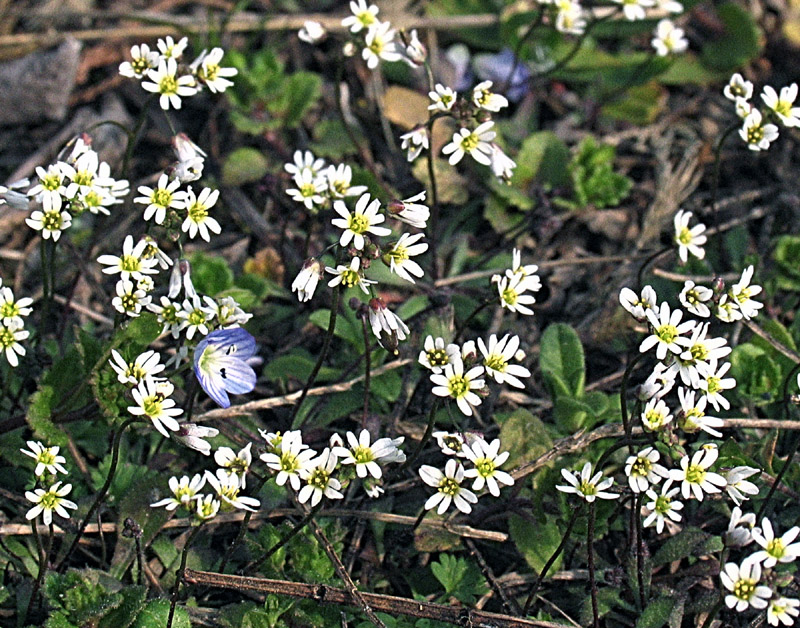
220, 364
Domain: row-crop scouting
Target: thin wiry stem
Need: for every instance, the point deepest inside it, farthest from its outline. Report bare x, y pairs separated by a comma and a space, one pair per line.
179, 576
592, 578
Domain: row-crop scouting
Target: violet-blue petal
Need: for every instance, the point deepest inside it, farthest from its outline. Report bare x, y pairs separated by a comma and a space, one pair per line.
213, 387
237, 376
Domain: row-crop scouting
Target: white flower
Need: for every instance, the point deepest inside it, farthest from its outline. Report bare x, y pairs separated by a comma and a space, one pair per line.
742, 293
309, 190
414, 142
487, 459
153, 402
49, 501
483, 98
161, 198
305, 162
740, 528
782, 105
191, 159
380, 44
339, 180
364, 456
289, 456
50, 220
738, 485
728, 310
637, 305
713, 383
51, 182
512, 291
227, 312
10, 335
586, 485
197, 218
775, 549
167, 314
142, 60
307, 279
131, 264
410, 211
502, 165
193, 436
635, 9
319, 483
694, 298
669, 39
442, 98
699, 354
659, 383
694, 476
170, 50
13, 310
312, 32
130, 298
238, 463
643, 470
399, 256
147, 364
171, 87
689, 240
742, 582
210, 73
454, 383
655, 415
737, 87
47, 458
362, 221
207, 508
454, 443
475, 143
570, 17
184, 492
666, 331
693, 415
783, 610
670, 6
363, 16
662, 507
435, 355
386, 325
496, 358
413, 51
448, 488
228, 486
349, 276
194, 317
757, 135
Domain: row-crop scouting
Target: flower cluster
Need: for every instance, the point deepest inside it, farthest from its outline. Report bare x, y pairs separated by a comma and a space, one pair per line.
515, 285
760, 127
227, 482
77, 182
313, 475
12, 324
48, 495
756, 580
164, 71
483, 460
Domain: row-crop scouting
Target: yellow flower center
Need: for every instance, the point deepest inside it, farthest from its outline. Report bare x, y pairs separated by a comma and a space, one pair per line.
744, 589
641, 467
51, 221
484, 467
496, 362
667, 333
470, 142
198, 212
168, 85
776, 548
449, 487
358, 223
438, 357
161, 197
458, 386
695, 474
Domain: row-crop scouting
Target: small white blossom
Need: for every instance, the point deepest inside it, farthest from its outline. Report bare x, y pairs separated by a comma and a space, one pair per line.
289, 456
743, 583
476, 144
782, 105
163, 197
483, 98
694, 299
362, 221
435, 354
740, 528
238, 463
153, 403
165, 81
689, 240
783, 610
228, 485
694, 476
713, 384
737, 87
307, 279
635, 9
497, 357
410, 211
312, 32
50, 220
742, 293
775, 549
130, 298
10, 335
487, 458
637, 305
142, 60
738, 486
656, 415
380, 44
669, 39
453, 382
131, 264
442, 98
662, 508
147, 364
363, 16
587, 486
448, 488
47, 458
399, 256
319, 481
666, 331
185, 492
349, 276
693, 415
643, 470
414, 142
757, 135
46, 502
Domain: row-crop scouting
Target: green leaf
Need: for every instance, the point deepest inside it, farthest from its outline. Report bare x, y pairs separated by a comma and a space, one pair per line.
460, 578
594, 182
758, 377
537, 542
300, 92
524, 436
210, 274
682, 545
155, 615
656, 614
542, 157
298, 365
561, 360
740, 43
331, 140
133, 601
142, 330
571, 414
640, 105
243, 165
39, 419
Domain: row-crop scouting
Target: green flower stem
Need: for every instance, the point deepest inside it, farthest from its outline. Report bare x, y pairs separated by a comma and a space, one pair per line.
623, 398
102, 492
578, 44
463, 326
242, 528
179, 575
292, 533
503, 87
434, 203
42, 555
133, 136
337, 293
640, 550
592, 578
551, 560
649, 260
715, 180
425, 437
367, 369
792, 452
